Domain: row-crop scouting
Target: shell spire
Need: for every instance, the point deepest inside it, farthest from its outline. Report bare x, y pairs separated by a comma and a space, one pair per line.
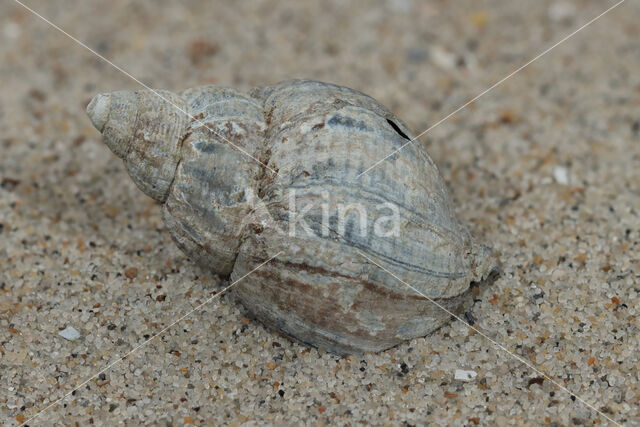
144, 128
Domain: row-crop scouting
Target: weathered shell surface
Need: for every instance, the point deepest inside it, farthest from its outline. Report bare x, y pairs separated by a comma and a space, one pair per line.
318, 137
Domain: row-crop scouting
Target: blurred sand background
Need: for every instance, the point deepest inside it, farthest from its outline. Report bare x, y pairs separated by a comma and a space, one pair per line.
544, 168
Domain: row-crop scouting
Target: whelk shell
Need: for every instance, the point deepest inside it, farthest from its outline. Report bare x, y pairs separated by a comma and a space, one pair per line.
228, 212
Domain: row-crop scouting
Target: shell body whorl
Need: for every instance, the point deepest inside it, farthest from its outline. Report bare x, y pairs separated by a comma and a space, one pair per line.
324, 288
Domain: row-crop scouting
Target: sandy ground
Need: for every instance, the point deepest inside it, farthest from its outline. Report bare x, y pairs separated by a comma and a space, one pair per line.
544, 168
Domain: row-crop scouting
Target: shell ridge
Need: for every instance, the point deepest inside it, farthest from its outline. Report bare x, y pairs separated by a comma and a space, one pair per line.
408, 266
443, 232
184, 136
246, 100
136, 120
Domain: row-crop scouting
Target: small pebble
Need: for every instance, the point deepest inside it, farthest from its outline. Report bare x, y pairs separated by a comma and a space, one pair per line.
131, 273
69, 333
463, 375
561, 175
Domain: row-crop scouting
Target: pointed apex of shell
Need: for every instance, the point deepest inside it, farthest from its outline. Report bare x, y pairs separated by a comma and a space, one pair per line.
98, 110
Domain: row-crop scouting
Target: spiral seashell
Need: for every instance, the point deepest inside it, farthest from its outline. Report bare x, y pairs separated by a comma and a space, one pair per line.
225, 164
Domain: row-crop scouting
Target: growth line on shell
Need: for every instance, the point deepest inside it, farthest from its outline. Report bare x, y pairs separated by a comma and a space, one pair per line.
193, 310
494, 342
177, 107
498, 83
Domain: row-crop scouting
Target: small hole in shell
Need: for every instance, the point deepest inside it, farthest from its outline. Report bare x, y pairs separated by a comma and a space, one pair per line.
398, 130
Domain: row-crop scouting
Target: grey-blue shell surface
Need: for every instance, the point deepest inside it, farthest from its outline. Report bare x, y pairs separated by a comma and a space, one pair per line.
232, 169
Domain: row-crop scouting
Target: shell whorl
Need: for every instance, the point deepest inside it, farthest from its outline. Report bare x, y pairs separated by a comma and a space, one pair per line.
144, 128
214, 182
